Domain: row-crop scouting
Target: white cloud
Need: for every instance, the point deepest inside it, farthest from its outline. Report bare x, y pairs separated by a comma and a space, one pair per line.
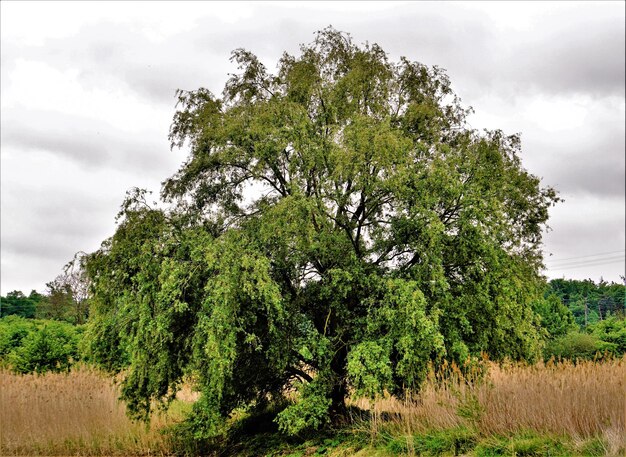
557, 113
87, 100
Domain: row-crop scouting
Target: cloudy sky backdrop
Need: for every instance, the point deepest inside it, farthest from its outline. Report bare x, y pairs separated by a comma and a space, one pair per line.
88, 97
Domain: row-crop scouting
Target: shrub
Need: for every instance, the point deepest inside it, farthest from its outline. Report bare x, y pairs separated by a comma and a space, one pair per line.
574, 346
13, 329
524, 444
611, 330
38, 346
456, 440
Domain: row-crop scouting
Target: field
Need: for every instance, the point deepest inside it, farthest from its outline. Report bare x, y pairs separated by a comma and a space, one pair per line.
579, 403
72, 414
545, 409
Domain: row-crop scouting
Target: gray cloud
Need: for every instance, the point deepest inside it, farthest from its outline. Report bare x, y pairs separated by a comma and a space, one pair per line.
591, 63
580, 167
585, 226
579, 175
569, 50
586, 159
42, 229
64, 175
89, 142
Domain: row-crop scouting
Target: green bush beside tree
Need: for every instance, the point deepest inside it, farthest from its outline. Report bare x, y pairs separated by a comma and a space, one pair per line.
32, 345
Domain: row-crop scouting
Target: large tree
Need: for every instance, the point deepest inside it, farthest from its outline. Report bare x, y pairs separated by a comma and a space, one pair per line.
336, 227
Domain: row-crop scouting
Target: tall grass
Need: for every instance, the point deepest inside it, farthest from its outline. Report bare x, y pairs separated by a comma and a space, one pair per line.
78, 413
581, 401
71, 413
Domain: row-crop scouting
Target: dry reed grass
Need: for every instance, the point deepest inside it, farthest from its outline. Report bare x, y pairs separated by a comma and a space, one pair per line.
74, 413
78, 413
581, 401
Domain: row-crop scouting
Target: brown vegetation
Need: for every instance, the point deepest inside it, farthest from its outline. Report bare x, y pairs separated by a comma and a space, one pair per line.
579, 401
78, 413
71, 413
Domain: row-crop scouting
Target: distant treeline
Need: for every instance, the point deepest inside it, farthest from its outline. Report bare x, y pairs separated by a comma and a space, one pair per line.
589, 302
58, 303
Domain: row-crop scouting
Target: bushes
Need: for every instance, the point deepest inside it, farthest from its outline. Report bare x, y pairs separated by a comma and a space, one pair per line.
575, 345
29, 346
13, 330
607, 337
611, 330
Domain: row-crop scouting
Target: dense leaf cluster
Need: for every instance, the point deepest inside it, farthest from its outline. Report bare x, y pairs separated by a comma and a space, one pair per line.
336, 228
33, 345
16, 303
589, 302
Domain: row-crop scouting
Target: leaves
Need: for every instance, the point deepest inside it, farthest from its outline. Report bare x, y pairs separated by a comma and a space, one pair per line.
337, 226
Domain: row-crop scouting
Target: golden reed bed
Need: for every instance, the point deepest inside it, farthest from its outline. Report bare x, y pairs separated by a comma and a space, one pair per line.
78, 413
580, 401
75, 413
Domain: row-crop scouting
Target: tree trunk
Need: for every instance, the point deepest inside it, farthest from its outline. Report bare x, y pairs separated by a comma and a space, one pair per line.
340, 389
338, 397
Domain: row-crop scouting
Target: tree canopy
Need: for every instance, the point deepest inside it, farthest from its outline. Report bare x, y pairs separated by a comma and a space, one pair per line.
16, 303
590, 302
337, 227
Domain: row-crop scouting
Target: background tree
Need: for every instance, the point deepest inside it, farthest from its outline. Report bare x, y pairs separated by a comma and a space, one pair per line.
75, 279
588, 301
57, 302
336, 227
67, 295
556, 318
16, 303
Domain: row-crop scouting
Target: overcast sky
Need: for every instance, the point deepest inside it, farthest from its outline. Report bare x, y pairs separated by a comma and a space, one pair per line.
88, 97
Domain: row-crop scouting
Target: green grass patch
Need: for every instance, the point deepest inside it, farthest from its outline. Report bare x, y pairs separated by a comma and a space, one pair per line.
524, 445
455, 441
256, 435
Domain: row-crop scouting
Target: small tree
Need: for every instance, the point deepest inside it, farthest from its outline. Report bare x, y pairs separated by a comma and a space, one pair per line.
67, 295
50, 346
57, 301
336, 227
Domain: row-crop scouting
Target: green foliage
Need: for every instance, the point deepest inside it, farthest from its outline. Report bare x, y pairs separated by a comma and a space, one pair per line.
104, 344
369, 366
588, 301
65, 298
524, 444
381, 234
60, 304
310, 411
454, 441
556, 318
52, 348
598, 309
595, 447
13, 329
18, 304
575, 345
470, 409
38, 346
611, 331
606, 337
